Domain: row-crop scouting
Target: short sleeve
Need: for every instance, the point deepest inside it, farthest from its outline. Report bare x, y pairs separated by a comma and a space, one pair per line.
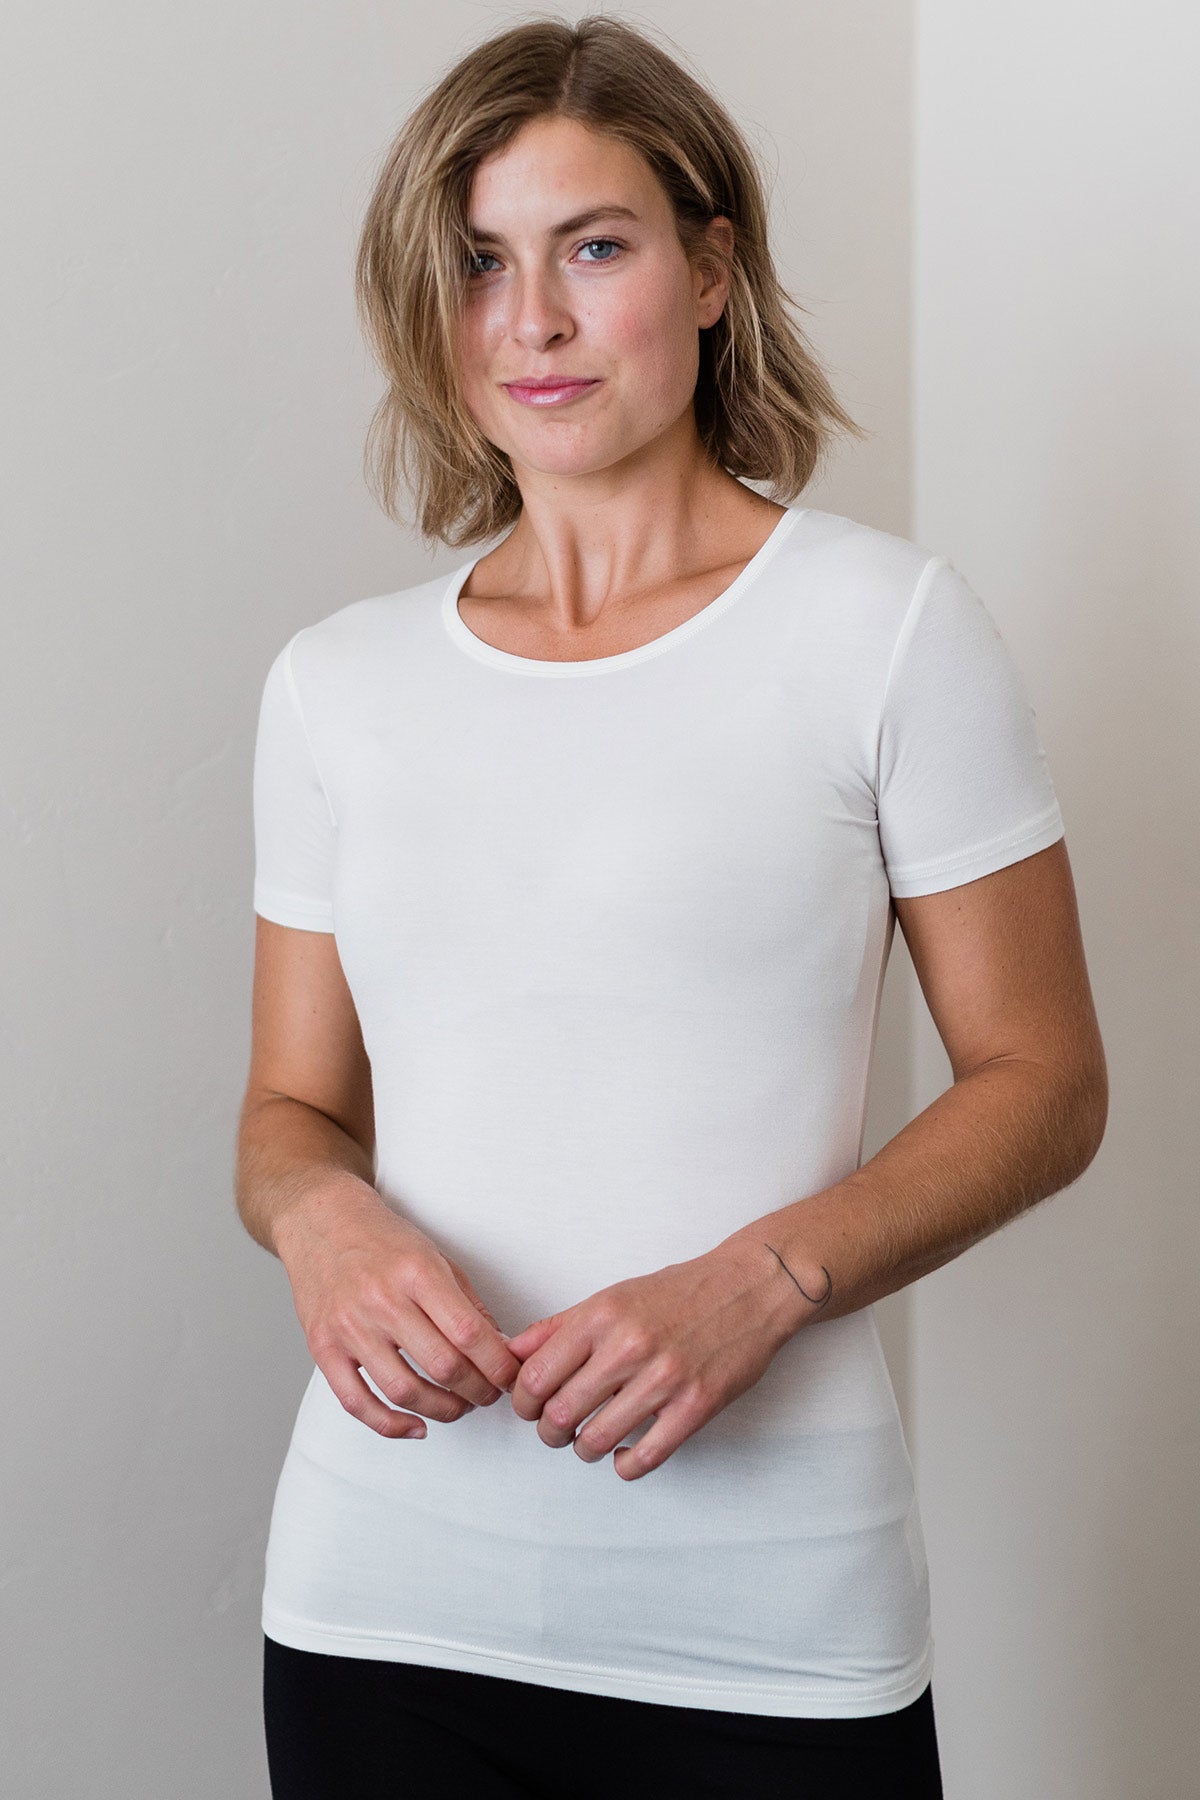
295, 832
963, 785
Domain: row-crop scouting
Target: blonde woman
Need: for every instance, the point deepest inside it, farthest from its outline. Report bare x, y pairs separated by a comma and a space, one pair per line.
577, 874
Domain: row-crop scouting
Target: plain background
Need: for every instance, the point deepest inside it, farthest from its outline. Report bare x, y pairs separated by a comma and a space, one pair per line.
989, 213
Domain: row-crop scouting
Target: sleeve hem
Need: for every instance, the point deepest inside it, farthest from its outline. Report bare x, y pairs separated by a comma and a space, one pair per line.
985, 859
291, 909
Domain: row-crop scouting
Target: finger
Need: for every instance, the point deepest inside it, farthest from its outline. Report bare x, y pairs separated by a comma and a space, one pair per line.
625, 1409
403, 1385
468, 1287
548, 1369
444, 1369
533, 1336
674, 1423
343, 1376
565, 1412
473, 1331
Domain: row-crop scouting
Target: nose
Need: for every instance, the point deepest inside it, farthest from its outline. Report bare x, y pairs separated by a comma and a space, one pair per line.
540, 314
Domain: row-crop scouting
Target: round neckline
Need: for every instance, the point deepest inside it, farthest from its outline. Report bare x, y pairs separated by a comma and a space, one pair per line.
466, 639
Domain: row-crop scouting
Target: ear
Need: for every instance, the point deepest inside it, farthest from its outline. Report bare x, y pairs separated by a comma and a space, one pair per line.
710, 275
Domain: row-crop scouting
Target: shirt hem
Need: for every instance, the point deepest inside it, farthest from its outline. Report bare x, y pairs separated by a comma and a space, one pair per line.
777, 1701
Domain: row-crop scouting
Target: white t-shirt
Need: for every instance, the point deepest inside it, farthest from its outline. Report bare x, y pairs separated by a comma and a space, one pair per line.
616, 933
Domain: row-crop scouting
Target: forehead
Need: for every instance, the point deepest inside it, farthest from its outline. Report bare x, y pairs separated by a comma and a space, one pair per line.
555, 169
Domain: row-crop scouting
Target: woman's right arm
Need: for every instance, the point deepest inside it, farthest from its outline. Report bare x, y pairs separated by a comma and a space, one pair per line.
366, 1283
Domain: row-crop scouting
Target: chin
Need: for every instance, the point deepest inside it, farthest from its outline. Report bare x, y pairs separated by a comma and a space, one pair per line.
569, 464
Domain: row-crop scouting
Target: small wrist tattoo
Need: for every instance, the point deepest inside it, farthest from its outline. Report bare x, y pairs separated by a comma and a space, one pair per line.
813, 1299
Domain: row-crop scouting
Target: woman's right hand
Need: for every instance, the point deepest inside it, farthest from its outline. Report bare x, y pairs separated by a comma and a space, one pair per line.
368, 1285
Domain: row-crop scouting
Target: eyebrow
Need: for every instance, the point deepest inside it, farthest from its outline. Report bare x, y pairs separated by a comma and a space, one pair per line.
568, 225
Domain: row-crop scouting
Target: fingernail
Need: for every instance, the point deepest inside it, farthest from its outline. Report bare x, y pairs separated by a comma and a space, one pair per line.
414, 1431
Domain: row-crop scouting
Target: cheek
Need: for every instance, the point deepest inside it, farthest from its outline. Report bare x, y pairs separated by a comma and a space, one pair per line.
654, 338
473, 338
476, 362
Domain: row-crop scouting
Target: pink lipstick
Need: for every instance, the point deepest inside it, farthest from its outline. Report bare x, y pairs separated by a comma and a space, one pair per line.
551, 390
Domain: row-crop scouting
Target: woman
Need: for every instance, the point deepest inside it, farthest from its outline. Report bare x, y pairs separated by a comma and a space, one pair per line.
577, 873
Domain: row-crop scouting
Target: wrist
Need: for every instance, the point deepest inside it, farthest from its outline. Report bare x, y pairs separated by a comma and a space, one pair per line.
323, 1208
791, 1293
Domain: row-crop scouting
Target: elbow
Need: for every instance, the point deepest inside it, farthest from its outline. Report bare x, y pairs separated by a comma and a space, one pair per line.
1092, 1107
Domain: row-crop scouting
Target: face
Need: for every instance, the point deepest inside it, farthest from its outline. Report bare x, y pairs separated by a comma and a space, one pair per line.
612, 300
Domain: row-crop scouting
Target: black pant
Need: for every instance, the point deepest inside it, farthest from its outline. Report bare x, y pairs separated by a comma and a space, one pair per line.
354, 1728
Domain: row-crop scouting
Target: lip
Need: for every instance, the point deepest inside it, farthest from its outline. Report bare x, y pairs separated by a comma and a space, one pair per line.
550, 391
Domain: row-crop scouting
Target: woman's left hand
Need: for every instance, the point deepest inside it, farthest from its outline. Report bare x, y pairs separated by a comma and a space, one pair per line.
679, 1344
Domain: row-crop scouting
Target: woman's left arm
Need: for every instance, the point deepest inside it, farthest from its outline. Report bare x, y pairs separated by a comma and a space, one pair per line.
1001, 964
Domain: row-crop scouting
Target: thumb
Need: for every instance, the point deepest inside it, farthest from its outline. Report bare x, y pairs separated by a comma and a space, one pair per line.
534, 1336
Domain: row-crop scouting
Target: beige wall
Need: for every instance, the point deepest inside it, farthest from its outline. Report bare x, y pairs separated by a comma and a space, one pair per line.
187, 402
1056, 369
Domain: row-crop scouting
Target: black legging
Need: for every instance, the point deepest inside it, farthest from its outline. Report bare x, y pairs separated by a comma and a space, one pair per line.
354, 1728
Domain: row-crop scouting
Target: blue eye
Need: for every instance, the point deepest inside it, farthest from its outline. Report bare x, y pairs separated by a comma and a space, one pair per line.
475, 257
610, 241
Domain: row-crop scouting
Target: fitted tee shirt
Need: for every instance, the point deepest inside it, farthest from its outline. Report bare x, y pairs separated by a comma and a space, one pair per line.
616, 932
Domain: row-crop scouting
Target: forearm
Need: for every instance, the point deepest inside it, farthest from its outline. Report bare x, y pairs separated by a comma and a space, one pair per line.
295, 1164
993, 1144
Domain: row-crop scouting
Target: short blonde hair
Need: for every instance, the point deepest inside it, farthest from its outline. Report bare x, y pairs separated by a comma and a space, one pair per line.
764, 409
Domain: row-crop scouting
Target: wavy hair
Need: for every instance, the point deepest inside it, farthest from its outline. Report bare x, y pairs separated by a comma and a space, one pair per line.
764, 409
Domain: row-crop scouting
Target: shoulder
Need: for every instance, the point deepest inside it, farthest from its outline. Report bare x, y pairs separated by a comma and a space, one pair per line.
840, 594
868, 575
340, 652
